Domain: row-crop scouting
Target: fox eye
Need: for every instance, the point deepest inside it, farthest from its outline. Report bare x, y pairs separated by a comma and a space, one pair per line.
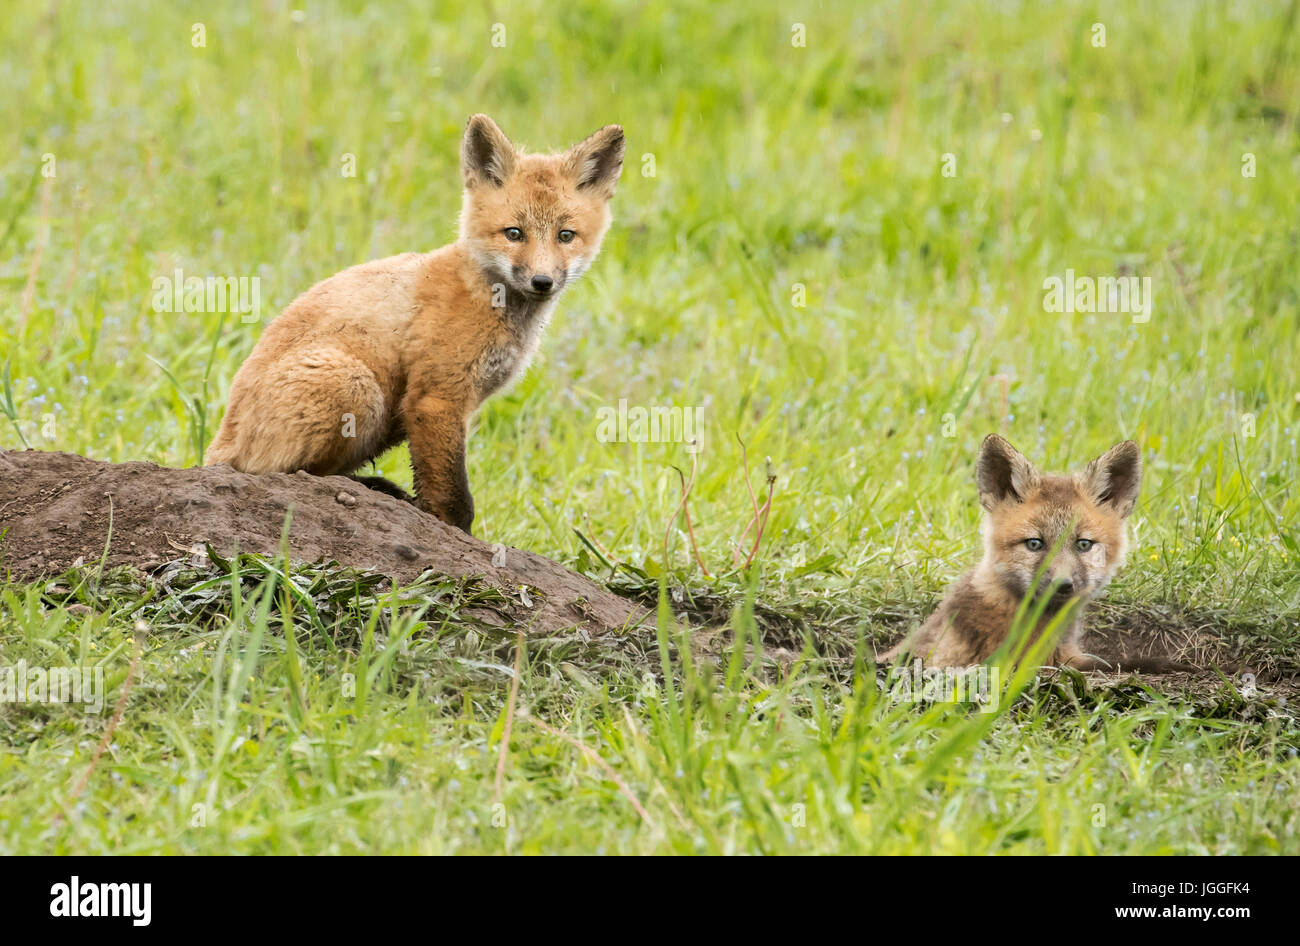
1084, 544
514, 234
1033, 544
566, 236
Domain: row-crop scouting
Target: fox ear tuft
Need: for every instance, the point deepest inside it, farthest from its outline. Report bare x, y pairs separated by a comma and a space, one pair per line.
1002, 472
486, 154
597, 162
1114, 477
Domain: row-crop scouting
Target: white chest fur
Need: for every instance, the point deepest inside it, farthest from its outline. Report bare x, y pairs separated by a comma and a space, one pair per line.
505, 360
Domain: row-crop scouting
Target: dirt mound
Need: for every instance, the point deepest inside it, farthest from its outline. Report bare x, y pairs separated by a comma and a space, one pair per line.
56, 510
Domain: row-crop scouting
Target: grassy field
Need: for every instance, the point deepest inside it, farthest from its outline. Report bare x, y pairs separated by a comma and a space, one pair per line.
831, 238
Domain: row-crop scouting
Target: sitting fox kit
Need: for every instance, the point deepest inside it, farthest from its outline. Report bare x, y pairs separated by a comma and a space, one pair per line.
409, 347
1071, 528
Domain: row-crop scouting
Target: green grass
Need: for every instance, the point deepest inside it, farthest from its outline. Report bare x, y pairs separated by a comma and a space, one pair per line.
774, 166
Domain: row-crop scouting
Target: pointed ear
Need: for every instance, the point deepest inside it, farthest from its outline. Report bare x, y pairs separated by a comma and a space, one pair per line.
486, 154
596, 163
1114, 477
1002, 473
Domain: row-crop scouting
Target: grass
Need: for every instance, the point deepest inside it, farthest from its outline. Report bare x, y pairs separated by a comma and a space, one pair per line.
759, 174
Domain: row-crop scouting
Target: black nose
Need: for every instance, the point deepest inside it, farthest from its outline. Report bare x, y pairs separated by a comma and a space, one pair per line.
542, 283
1065, 588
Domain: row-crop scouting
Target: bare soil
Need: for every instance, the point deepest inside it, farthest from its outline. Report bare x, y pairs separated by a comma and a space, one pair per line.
61, 510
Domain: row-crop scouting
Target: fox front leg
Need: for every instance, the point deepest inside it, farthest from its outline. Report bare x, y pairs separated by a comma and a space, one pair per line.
436, 432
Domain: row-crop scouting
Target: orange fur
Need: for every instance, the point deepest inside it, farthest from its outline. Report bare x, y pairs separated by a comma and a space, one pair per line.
409, 347
975, 617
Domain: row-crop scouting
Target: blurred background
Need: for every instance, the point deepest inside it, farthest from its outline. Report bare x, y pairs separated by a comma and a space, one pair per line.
831, 237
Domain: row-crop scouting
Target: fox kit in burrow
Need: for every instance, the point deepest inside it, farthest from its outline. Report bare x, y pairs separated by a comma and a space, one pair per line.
408, 348
1069, 531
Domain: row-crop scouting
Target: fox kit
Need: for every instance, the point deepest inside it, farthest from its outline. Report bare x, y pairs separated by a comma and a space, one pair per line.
1029, 515
408, 348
